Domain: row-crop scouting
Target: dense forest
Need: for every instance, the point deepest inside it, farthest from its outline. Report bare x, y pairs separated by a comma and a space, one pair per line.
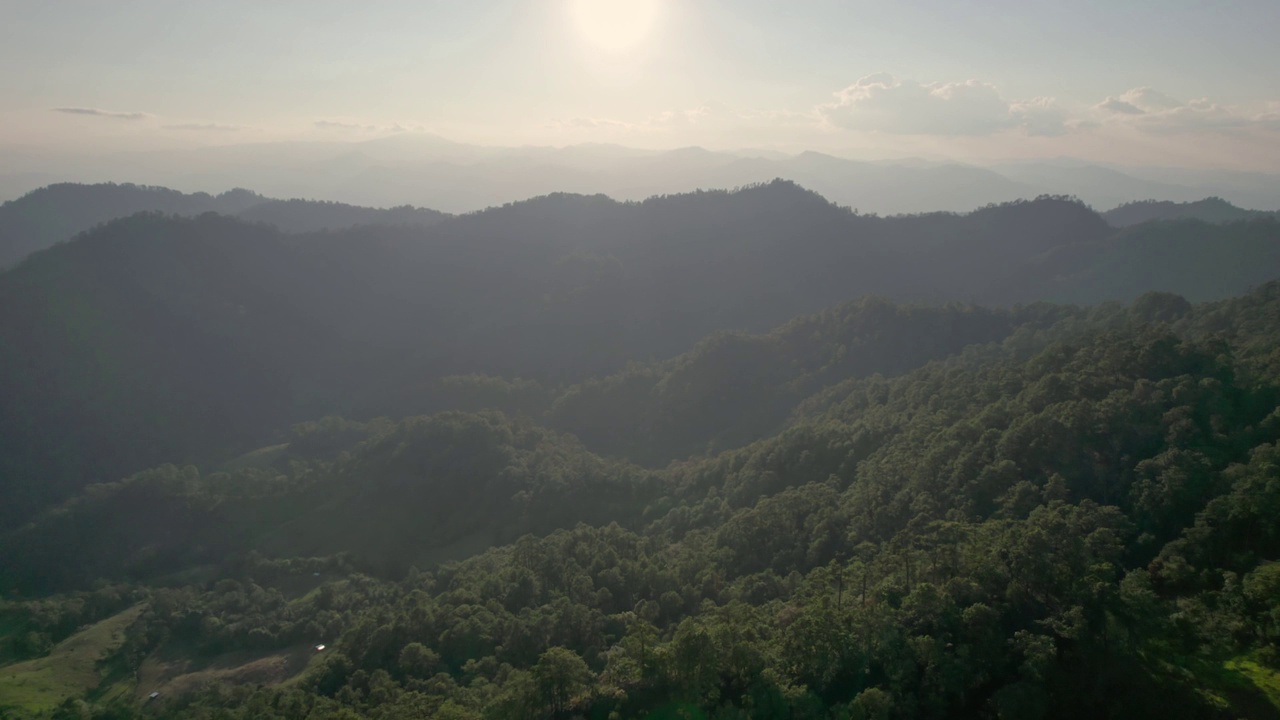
1071, 515
720, 455
1213, 209
157, 338
56, 213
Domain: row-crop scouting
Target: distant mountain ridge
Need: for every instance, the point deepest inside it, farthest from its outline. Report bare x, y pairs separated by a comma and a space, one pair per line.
420, 169
55, 213
1213, 210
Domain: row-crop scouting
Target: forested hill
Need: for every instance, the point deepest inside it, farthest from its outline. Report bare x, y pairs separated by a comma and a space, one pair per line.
1213, 210
1072, 516
56, 213
157, 338
297, 216
1190, 257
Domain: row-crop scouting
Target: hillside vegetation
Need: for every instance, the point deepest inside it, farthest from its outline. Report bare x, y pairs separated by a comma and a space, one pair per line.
57, 213
1059, 512
163, 339
1212, 210
719, 455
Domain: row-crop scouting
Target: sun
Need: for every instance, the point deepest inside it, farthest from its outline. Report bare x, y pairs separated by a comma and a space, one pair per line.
614, 25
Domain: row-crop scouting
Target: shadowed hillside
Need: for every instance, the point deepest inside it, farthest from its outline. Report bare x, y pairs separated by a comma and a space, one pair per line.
1089, 491
156, 338
1210, 210
56, 213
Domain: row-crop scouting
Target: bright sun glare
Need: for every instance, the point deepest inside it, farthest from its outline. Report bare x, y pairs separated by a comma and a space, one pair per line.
614, 25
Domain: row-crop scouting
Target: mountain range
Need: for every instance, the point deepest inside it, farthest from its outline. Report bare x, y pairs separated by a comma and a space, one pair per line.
421, 169
159, 337
1213, 209
729, 453
58, 212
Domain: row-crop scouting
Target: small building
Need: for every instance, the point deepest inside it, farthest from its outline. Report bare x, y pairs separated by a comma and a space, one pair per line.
153, 696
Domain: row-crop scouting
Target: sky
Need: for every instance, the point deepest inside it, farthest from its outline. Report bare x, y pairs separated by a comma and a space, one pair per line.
1192, 83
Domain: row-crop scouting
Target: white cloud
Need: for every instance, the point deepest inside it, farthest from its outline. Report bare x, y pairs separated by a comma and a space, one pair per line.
1270, 117
1154, 112
680, 117
1139, 101
593, 123
338, 125
706, 116
885, 103
709, 113
1195, 115
970, 111
358, 127
203, 127
709, 124
1042, 116
97, 112
1116, 105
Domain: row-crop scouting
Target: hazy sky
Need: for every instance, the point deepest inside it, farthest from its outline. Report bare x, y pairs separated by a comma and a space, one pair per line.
1174, 82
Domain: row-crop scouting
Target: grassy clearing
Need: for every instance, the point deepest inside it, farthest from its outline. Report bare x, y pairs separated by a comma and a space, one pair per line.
314, 660
69, 670
1240, 687
173, 673
1263, 679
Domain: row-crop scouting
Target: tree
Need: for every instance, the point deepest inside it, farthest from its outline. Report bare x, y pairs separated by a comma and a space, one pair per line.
561, 675
418, 660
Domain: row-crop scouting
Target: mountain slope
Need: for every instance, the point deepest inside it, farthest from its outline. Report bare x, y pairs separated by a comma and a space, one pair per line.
158, 339
1076, 521
57, 213
1193, 258
417, 492
732, 389
1211, 210
300, 216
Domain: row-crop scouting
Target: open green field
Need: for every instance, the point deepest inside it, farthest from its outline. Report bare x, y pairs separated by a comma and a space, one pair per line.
1240, 687
174, 673
70, 670
1260, 686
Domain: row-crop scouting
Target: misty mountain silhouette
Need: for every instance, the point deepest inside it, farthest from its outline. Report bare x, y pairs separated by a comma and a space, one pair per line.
57, 212
1213, 210
422, 169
